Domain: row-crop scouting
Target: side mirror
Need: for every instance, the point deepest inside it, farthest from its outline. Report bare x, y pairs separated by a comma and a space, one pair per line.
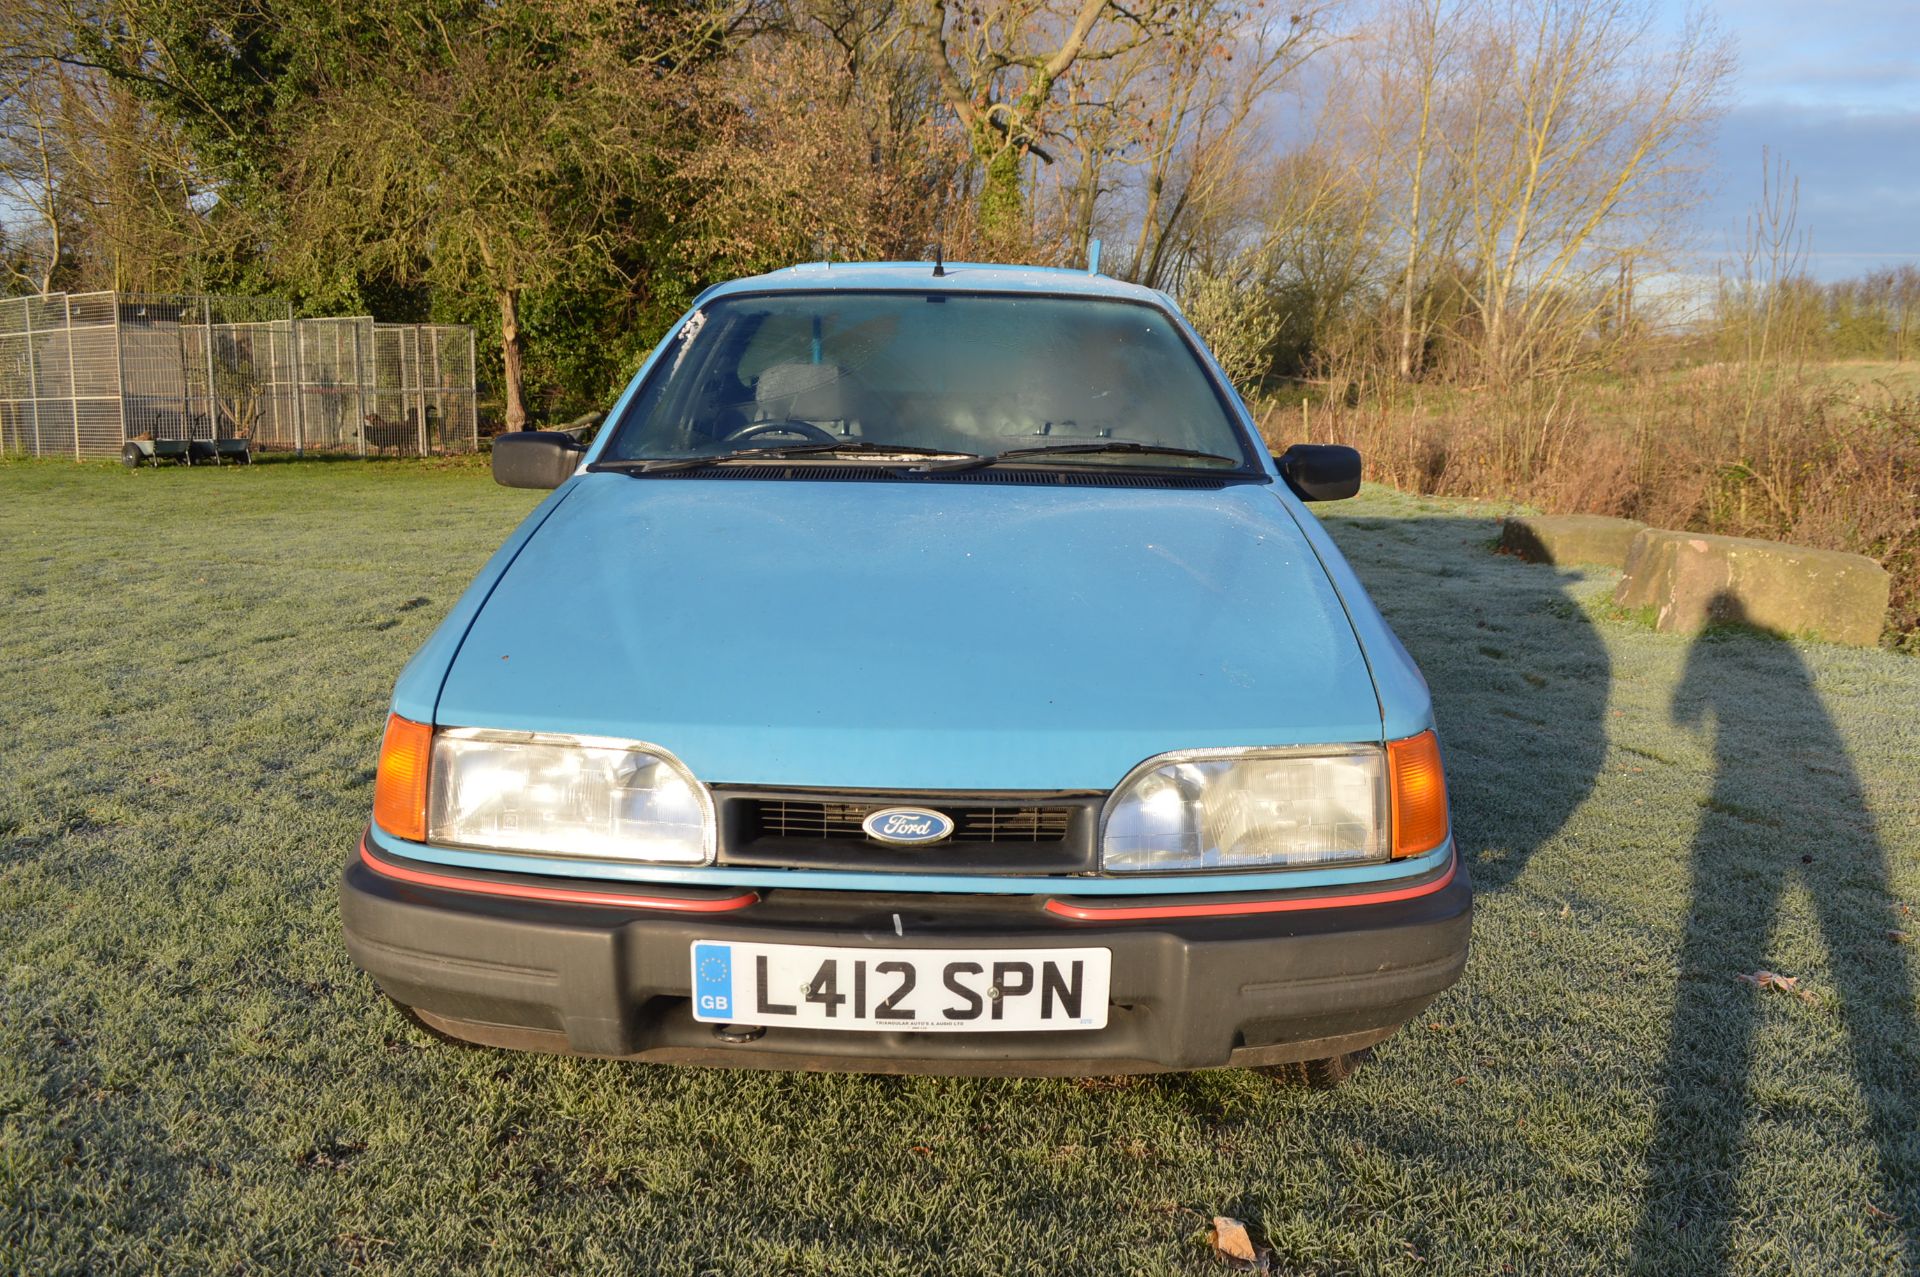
1320, 471
535, 458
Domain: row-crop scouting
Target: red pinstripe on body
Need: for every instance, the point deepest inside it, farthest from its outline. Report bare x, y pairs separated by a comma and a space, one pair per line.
1234, 908
553, 895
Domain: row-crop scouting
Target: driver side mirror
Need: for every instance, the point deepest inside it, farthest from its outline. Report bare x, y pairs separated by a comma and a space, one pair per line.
1320, 471
535, 458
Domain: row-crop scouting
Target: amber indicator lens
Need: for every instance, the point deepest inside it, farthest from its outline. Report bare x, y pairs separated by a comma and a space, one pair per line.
1419, 794
400, 788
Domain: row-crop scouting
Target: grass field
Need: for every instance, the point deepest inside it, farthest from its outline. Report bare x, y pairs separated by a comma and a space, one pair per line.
1895, 378
193, 669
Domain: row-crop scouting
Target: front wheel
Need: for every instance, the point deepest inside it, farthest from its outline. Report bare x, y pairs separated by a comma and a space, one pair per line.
1316, 1075
131, 456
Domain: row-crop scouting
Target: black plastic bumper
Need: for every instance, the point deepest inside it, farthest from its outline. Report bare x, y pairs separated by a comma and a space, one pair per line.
1186, 993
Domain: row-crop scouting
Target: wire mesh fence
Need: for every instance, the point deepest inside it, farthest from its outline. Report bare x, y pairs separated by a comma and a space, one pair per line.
59, 382
422, 395
333, 390
85, 374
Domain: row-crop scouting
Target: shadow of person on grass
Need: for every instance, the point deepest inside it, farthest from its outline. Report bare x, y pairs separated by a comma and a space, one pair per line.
1786, 806
1519, 676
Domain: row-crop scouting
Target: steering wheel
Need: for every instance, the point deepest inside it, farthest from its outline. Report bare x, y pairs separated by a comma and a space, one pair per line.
805, 429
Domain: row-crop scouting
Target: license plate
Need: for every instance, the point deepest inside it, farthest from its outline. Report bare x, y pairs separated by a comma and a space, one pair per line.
923, 990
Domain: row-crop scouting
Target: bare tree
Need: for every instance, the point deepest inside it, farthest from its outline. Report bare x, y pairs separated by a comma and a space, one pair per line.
1328, 258
95, 192
865, 178
1215, 67
1096, 119
33, 172
1772, 255
998, 64
1406, 68
1579, 148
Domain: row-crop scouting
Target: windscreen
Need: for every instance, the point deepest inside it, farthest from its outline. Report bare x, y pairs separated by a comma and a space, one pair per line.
972, 374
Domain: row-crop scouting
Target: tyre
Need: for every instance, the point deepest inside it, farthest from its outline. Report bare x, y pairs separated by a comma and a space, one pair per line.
1317, 1075
131, 456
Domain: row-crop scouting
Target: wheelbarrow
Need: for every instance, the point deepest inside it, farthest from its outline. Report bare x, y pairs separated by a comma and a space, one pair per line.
154, 451
193, 453
219, 451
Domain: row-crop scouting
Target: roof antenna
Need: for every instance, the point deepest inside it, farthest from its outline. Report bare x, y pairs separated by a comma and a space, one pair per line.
939, 260
1093, 257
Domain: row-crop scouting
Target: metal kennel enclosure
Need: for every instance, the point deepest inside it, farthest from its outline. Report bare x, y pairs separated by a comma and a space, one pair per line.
81, 374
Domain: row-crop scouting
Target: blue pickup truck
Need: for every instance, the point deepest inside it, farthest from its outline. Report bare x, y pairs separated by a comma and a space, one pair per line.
926, 668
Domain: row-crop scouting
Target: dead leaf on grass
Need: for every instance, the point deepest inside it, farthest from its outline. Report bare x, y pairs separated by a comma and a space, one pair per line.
1900, 937
1779, 983
331, 1156
359, 1247
1231, 1242
1877, 1213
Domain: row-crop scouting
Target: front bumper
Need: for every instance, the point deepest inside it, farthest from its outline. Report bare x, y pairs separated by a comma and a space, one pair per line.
1299, 981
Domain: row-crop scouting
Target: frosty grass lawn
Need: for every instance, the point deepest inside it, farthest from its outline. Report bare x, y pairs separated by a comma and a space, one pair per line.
194, 665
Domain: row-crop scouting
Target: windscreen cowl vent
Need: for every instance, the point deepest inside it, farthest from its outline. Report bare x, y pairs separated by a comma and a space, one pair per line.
1004, 476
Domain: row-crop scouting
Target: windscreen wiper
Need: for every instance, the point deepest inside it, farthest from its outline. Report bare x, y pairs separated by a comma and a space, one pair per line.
1062, 449
666, 465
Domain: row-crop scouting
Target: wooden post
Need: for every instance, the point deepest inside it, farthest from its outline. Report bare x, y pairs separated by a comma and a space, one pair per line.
73, 383
33, 373
439, 380
419, 385
213, 409
299, 388
360, 387
473, 389
119, 368
186, 385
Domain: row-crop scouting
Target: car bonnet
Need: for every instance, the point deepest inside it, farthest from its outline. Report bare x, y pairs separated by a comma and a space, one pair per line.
915, 635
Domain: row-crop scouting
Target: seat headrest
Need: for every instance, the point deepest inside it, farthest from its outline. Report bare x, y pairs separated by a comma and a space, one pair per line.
810, 392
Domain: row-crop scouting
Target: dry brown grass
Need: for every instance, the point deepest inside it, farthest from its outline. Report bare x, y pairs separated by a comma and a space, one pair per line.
1778, 453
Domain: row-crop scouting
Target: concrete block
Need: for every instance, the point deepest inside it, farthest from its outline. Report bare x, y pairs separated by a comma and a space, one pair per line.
1569, 538
1692, 580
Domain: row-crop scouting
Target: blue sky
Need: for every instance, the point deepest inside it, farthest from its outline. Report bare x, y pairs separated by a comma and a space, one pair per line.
1833, 87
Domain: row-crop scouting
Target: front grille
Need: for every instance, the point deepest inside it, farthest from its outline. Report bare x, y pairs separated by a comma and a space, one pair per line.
787, 818
1049, 834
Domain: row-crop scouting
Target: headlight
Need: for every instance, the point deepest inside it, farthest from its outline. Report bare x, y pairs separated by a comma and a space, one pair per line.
1249, 809
566, 796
